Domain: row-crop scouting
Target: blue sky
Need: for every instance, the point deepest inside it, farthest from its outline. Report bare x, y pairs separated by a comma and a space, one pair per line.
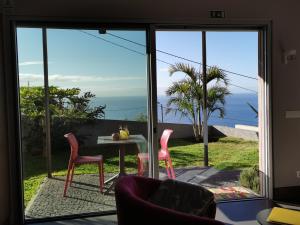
233, 51
79, 60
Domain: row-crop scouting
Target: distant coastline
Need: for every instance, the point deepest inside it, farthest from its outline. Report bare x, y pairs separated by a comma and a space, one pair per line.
129, 108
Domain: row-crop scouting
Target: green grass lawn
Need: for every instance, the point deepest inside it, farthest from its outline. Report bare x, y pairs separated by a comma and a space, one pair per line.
225, 153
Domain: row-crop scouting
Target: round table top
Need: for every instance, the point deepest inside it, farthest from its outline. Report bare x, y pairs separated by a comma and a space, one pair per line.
262, 217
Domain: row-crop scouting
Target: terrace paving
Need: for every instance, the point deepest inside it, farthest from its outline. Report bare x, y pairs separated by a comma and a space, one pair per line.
84, 196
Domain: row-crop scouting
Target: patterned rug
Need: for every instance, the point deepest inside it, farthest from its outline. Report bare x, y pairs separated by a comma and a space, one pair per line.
235, 192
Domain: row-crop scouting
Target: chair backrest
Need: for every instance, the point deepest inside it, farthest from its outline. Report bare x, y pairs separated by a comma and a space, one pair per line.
73, 145
164, 139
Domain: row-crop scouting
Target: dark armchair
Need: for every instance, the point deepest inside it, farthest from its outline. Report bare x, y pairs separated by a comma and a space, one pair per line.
132, 194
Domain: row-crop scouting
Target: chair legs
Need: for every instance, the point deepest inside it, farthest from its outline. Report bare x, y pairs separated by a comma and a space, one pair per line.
70, 174
168, 163
101, 176
140, 167
171, 168
70, 166
167, 168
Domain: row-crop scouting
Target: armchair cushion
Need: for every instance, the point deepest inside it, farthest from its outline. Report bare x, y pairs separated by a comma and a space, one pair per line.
184, 197
133, 207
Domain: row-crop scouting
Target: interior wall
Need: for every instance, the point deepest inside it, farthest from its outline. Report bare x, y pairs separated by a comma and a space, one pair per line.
285, 35
4, 172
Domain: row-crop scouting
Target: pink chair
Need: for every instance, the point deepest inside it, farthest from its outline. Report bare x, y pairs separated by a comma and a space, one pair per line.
75, 159
163, 155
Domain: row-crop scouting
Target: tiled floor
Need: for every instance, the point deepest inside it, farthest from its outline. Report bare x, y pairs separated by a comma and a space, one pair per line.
241, 212
237, 212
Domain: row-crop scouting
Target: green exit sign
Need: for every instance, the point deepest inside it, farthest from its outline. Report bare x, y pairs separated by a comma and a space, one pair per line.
217, 14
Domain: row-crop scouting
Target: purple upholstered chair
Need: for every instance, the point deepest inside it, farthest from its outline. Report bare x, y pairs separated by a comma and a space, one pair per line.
133, 208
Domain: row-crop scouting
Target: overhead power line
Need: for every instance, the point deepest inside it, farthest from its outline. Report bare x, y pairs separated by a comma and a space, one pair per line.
141, 53
247, 89
125, 39
180, 57
170, 54
111, 42
164, 62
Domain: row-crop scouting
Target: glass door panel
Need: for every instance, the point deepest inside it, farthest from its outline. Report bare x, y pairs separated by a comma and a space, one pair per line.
235, 55
98, 91
232, 68
179, 59
31, 90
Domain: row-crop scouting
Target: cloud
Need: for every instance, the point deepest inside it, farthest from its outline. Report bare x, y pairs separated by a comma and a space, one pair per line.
29, 76
86, 83
164, 69
33, 63
75, 78
161, 90
29, 63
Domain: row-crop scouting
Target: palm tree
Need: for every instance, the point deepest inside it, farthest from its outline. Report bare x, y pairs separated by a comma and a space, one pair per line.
187, 94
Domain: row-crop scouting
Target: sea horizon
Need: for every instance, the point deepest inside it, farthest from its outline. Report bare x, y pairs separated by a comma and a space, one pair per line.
237, 110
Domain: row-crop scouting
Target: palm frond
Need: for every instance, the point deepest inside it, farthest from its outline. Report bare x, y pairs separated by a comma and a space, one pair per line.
181, 105
186, 95
185, 68
253, 108
216, 99
214, 73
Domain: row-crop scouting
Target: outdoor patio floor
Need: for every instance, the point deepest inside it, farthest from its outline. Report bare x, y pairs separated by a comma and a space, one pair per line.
84, 197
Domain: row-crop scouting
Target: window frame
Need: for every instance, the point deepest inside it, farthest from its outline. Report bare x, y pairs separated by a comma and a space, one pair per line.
11, 83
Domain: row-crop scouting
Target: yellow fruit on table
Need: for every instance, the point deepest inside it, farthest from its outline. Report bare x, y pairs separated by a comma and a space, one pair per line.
123, 135
127, 131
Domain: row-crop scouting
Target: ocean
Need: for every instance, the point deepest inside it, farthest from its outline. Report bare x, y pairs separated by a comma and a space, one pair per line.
237, 111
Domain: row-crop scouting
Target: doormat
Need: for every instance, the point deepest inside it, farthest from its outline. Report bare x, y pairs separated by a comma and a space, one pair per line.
234, 192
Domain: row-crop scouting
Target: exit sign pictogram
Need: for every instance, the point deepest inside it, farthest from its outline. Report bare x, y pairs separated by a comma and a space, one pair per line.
217, 14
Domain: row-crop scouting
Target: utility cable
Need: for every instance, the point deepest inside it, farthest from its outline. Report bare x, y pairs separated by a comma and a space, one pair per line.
113, 43
140, 53
161, 51
180, 57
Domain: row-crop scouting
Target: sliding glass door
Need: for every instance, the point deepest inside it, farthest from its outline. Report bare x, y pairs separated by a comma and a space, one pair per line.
97, 89
95, 84
230, 169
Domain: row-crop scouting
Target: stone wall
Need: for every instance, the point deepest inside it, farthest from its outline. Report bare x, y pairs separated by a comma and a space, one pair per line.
90, 131
107, 127
219, 131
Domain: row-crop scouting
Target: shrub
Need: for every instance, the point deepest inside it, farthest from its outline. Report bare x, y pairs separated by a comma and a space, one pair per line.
141, 117
68, 108
250, 178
